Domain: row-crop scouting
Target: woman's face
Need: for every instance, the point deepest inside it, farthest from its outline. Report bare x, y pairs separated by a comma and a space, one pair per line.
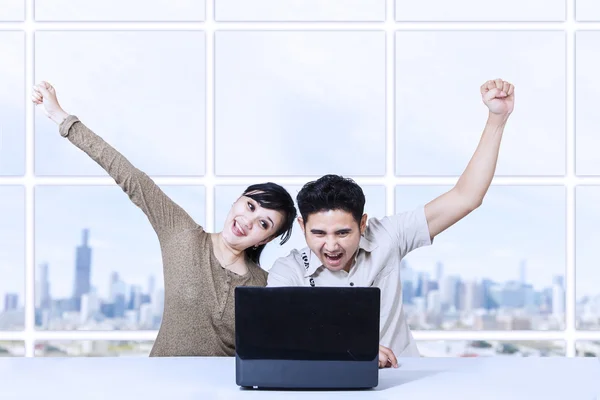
248, 224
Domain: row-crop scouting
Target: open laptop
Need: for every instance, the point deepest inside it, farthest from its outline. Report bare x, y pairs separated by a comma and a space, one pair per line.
307, 337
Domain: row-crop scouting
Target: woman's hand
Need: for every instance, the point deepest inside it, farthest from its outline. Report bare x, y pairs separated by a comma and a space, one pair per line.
44, 93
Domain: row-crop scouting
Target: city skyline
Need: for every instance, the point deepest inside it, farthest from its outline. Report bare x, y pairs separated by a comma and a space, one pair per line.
52, 238
445, 301
135, 260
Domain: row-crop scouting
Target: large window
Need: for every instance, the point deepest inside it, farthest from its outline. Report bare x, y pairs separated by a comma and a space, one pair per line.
208, 97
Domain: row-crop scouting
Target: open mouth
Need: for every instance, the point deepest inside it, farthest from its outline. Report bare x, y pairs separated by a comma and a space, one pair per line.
333, 257
237, 229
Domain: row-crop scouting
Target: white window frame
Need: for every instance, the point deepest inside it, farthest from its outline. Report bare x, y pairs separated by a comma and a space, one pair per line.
570, 335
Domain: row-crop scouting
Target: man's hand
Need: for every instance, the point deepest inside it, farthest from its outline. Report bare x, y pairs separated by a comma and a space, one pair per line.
498, 96
44, 93
387, 358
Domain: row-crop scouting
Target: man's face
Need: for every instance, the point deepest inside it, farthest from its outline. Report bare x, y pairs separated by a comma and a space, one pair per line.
333, 236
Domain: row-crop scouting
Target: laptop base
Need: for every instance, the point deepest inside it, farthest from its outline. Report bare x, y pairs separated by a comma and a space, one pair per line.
306, 374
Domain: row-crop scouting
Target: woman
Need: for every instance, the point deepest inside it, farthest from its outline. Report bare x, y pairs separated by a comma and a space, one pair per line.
201, 270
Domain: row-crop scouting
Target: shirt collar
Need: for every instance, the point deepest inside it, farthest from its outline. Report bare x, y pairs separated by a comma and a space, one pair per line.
312, 262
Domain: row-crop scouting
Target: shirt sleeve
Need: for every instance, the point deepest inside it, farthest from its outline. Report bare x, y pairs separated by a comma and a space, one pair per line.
284, 273
163, 213
409, 230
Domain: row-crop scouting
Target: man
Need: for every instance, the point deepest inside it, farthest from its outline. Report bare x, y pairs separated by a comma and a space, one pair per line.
343, 251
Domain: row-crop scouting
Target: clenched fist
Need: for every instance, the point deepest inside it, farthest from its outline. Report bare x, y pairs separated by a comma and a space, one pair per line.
44, 93
498, 96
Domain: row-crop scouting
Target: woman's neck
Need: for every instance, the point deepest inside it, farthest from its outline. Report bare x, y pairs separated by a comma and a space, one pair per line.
229, 258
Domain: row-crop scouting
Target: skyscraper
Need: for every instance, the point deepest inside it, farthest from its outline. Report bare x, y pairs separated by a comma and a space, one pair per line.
439, 271
113, 286
558, 296
151, 284
11, 301
83, 264
523, 272
42, 292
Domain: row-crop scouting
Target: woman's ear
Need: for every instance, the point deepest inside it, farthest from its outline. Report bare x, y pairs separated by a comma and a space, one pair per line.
267, 240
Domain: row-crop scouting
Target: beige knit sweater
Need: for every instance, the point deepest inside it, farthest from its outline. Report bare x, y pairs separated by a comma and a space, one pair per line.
198, 318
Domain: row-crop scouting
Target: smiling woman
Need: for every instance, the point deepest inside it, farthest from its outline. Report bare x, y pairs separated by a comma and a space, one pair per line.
201, 270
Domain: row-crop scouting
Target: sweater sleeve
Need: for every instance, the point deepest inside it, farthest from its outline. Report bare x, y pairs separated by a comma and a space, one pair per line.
166, 217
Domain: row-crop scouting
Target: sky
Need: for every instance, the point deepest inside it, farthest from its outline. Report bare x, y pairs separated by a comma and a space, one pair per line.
587, 88
587, 10
440, 114
277, 94
143, 92
300, 10
294, 10
120, 10
479, 10
12, 10
288, 89
12, 101
587, 221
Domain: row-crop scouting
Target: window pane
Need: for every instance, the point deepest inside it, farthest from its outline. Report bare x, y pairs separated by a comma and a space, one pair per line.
439, 112
300, 10
300, 103
12, 10
225, 196
586, 92
93, 348
489, 348
12, 257
587, 10
501, 268
11, 349
587, 348
12, 103
587, 220
114, 81
125, 281
480, 10
119, 10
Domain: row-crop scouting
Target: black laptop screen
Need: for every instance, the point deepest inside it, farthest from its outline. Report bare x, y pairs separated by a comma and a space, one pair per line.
301, 323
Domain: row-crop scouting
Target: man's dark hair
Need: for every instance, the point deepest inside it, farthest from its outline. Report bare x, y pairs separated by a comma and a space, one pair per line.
331, 192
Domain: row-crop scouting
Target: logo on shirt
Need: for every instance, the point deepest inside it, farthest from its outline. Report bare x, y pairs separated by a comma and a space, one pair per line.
306, 265
305, 259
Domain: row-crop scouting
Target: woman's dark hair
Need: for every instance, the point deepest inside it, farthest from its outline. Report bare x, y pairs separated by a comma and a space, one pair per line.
331, 192
273, 197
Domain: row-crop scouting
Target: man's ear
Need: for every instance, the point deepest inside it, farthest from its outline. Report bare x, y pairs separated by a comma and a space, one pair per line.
301, 223
363, 224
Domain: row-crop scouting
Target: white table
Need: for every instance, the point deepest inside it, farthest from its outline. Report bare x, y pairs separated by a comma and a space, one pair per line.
214, 378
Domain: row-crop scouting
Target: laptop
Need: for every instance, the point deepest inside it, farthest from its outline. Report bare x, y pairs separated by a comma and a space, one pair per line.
307, 337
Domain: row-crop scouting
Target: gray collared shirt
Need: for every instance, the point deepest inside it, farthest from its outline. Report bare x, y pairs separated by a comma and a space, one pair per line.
385, 242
